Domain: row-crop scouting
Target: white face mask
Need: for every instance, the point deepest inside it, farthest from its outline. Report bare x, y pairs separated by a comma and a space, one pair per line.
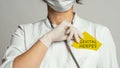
60, 5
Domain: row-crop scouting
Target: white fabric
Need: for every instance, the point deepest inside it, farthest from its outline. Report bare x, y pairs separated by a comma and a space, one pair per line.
57, 55
60, 5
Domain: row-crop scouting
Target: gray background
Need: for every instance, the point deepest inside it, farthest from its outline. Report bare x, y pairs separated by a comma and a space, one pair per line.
15, 12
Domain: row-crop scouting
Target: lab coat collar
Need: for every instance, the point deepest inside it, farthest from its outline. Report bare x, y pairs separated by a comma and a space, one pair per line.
77, 22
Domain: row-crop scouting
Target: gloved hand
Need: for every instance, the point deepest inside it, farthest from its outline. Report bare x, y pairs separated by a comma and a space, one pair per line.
64, 31
57, 34
74, 34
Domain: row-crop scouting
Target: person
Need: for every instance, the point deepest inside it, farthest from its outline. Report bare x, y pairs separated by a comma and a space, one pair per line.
42, 44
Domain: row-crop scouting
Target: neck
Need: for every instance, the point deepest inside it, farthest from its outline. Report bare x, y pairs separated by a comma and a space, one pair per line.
59, 17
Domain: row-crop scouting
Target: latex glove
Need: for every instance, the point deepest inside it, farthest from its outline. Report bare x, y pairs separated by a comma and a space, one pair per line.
57, 34
74, 33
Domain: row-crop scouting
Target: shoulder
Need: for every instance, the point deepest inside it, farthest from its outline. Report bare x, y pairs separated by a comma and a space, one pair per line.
88, 25
30, 32
31, 26
99, 28
94, 28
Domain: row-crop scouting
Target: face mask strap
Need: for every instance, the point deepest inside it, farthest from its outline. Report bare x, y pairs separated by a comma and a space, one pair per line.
79, 2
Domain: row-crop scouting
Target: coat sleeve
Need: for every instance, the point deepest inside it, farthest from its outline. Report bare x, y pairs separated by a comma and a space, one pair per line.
108, 56
17, 47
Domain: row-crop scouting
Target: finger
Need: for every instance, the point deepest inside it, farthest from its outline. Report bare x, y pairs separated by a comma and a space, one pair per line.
68, 26
80, 35
68, 31
76, 36
70, 36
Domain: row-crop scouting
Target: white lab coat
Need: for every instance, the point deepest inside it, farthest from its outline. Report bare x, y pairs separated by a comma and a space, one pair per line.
57, 55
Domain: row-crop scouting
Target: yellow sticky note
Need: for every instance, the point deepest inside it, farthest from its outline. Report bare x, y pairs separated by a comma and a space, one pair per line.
88, 42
